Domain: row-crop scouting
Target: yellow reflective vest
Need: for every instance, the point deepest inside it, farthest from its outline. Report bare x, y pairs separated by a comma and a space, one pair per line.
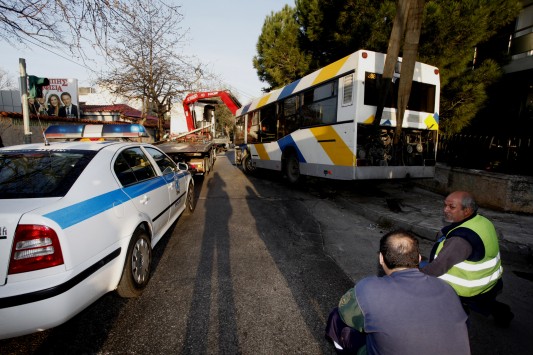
470, 278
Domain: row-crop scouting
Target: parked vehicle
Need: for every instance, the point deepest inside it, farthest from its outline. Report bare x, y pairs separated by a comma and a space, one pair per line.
325, 125
79, 219
199, 145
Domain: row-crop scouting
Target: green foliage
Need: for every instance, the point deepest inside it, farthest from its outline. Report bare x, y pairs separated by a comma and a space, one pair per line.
451, 32
331, 30
225, 119
323, 31
279, 60
466, 94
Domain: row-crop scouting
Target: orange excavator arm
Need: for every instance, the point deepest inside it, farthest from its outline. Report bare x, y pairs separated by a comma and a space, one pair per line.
225, 96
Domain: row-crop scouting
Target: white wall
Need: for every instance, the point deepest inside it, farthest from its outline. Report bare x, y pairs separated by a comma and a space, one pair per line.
10, 101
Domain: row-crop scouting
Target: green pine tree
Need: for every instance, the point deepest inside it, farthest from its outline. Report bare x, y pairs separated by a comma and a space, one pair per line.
318, 32
279, 60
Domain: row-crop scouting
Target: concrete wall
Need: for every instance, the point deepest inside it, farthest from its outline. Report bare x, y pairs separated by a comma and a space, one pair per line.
10, 101
509, 193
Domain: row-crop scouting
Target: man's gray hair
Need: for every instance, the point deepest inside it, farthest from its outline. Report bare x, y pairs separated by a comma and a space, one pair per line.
469, 202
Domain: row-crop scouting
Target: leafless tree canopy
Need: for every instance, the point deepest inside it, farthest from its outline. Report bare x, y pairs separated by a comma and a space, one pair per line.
6, 82
60, 22
142, 40
148, 59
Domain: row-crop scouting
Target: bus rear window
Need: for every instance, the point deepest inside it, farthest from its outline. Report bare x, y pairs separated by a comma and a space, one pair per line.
421, 99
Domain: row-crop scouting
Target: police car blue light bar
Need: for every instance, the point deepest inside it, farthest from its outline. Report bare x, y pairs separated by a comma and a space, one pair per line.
64, 131
119, 131
95, 131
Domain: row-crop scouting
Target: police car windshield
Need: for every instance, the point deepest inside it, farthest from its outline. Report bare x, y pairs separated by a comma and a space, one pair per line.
33, 174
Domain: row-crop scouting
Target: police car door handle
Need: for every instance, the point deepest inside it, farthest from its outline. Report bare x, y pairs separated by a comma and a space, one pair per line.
144, 200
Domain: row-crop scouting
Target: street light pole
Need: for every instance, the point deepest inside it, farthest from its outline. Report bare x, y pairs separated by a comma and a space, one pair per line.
24, 98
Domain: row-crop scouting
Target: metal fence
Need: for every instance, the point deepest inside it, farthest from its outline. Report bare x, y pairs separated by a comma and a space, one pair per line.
508, 155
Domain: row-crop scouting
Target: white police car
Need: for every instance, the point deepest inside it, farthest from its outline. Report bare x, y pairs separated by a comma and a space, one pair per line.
79, 219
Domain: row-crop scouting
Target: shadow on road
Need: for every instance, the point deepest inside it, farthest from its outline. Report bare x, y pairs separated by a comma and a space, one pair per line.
295, 243
213, 267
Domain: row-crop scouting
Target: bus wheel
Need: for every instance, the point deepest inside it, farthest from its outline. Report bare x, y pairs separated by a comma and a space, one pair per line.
247, 164
292, 169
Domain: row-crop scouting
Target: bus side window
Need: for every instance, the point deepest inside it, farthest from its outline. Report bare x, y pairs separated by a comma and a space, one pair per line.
290, 114
253, 127
268, 123
239, 131
320, 105
309, 116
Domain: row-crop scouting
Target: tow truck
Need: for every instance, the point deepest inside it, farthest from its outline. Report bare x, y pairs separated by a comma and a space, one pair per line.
199, 145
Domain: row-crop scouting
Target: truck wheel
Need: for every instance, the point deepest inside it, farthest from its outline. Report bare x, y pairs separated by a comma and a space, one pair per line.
213, 157
137, 267
292, 169
247, 164
207, 165
190, 202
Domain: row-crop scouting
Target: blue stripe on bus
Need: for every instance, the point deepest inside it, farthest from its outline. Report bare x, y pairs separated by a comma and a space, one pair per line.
74, 214
245, 108
287, 141
287, 90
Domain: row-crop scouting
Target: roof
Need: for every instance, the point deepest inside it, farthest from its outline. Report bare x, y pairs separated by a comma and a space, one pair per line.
71, 145
123, 109
56, 118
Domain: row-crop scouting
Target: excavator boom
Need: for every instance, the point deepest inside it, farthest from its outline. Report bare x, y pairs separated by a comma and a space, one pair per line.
197, 147
225, 96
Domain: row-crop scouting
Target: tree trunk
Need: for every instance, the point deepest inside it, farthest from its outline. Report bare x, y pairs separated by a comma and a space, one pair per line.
410, 53
395, 41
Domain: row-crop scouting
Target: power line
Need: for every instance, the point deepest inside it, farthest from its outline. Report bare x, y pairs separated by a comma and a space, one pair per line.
61, 56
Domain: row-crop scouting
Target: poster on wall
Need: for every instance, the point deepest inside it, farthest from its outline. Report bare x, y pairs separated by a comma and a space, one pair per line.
60, 98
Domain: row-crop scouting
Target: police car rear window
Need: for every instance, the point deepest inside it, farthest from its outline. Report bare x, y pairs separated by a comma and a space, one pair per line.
34, 174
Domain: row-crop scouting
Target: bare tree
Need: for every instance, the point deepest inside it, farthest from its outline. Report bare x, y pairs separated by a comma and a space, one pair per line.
147, 59
61, 23
6, 82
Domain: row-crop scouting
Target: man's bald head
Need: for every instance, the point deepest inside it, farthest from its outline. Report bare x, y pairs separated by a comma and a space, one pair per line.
399, 249
458, 206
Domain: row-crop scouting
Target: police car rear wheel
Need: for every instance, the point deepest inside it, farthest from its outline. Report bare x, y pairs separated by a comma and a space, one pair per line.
138, 265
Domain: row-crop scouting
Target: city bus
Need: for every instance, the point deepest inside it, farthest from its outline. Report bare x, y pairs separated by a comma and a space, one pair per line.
323, 125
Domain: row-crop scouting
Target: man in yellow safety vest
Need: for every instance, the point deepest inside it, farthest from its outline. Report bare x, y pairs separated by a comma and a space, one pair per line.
467, 256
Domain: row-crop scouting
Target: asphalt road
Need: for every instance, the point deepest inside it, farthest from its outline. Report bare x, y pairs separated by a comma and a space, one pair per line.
254, 270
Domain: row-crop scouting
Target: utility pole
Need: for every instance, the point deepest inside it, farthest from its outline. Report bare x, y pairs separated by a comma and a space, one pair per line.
24, 97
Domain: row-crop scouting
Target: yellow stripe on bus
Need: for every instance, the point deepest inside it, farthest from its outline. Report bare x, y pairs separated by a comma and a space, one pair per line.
431, 123
263, 101
330, 71
261, 151
369, 120
334, 146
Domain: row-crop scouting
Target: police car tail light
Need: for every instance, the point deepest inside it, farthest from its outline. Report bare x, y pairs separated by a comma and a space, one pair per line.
35, 247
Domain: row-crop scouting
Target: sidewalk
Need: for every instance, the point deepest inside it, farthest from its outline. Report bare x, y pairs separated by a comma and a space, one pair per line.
404, 205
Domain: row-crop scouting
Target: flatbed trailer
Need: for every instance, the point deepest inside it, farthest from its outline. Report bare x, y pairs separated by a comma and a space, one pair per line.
198, 147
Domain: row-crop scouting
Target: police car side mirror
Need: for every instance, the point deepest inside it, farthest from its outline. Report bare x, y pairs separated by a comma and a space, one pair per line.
183, 166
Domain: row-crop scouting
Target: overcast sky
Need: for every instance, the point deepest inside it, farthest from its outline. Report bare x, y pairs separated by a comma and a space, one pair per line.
223, 35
